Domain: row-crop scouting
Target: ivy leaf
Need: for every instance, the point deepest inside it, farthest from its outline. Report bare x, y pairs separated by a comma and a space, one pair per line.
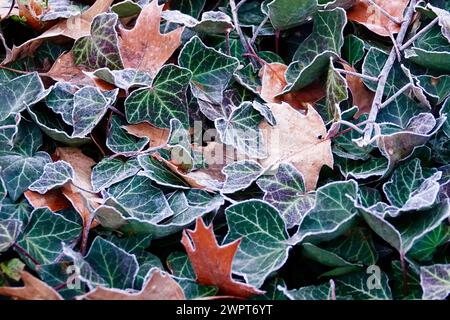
100, 49
285, 190
55, 175
436, 87
435, 281
312, 56
164, 100
60, 100
119, 141
9, 231
190, 7
212, 22
263, 248
19, 93
353, 49
362, 169
426, 246
285, 14
337, 197
241, 130
211, 69
356, 285
57, 229
336, 92
240, 175
110, 171
319, 292
325, 257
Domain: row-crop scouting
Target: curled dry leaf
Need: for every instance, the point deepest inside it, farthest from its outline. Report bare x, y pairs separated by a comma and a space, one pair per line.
33, 289
212, 263
159, 286
362, 97
370, 16
53, 199
299, 140
273, 81
144, 47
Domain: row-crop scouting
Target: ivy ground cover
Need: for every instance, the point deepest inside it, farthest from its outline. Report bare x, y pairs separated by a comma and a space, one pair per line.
276, 149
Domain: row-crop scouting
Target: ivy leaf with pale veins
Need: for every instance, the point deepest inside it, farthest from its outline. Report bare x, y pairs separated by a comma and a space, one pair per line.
426, 246
435, 281
120, 141
211, 69
360, 287
336, 92
263, 248
110, 171
318, 292
285, 190
240, 175
9, 231
285, 14
43, 236
436, 87
164, 100
60, 100
55, 175
100, 49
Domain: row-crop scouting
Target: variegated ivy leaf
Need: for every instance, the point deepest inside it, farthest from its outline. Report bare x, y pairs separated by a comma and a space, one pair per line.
240, 175
409, 190
431, 50
435, 281
90, 105
241, 130
100, 49
158, 172
263, 248
60, 100
212, 22
124, 79
360, 287
312, 56
211, 69
119, 141
285, 14
110, 171
116, 267
180, 266
319, 292
426, 246
43, 236
232, 98
19, 93
164, 100
333, 212
23, 164
436, 87
9, 231
55, 175
403, 232
140, 199
285, 190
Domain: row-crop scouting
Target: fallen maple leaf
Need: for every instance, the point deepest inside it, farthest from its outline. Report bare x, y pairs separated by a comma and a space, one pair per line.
273, 81
33, 289
53, 199
159, 286
144, 47
370, 16
362, 97
212, 263
297, 139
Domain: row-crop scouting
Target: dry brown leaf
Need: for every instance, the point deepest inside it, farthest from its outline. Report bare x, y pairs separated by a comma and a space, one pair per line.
370, 16
273, 82
82, 167
299, 140
157, 136
160, 286
362, 97
144, 47
31, 10
212, 263
74, 28
53, 199
33, 289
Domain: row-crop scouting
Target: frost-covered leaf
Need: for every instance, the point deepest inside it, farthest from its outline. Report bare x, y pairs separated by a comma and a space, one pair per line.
164, 100
212, 22
9, 231
360, 287
124, 79
110, 171
285, 14
119, 141
55, 175
318, 292
435, 281
285, 190
436, 87
158, 172
240, 175
263, 248
426, 246
211, 69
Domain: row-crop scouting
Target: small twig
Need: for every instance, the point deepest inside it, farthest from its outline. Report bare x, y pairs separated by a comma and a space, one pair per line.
333, 289
395, 95
14, 70
229, 199
357, 74
418, 34
351, 125
258, 29
84, 238
102, 151
25, 253
227, 42
384, 12
394, 43
117, 111
404, 274
347, 130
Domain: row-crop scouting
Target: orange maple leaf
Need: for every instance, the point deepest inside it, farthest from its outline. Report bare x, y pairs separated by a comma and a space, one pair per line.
144, 47
212, 263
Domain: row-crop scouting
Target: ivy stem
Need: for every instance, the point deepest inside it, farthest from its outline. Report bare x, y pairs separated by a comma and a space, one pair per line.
404, 274
26, 254
277, 41
395, 95
357, 74
333, 289
258, 29
418, 34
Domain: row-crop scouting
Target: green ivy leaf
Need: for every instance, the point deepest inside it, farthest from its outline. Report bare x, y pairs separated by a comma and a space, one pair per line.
158, 172
110, 171
9, 231
119, 141
356, 285
55, 175
285, 14
240, 175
